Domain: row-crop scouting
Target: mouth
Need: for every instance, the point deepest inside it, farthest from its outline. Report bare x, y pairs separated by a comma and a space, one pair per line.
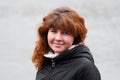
58, 45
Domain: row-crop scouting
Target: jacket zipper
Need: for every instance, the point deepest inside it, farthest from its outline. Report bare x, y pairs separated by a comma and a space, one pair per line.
53, 66
53, 63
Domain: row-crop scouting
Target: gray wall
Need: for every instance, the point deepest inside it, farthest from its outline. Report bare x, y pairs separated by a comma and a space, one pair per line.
18, 28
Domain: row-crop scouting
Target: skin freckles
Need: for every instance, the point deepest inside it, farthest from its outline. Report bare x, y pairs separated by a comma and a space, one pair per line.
59, 41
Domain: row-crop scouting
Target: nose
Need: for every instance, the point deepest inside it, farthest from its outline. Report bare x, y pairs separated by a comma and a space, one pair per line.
58, 37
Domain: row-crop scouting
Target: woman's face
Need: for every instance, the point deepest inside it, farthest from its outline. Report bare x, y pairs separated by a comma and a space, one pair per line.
59, 41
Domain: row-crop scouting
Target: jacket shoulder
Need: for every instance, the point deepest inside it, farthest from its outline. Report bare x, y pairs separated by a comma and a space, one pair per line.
89, 71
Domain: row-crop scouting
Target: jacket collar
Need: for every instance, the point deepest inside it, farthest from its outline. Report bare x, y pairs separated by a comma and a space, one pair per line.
80, 51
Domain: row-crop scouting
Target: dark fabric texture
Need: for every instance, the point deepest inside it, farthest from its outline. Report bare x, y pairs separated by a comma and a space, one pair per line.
74, 64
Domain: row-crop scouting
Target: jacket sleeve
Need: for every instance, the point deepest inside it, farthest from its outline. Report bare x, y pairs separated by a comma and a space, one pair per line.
88, 72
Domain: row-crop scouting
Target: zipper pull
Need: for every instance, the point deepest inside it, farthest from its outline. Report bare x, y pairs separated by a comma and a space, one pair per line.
53, 63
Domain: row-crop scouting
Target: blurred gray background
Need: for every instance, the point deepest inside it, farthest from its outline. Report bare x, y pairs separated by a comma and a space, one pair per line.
18, 32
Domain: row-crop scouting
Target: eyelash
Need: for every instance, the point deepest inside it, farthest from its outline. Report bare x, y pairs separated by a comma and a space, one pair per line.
53, 31
64, 32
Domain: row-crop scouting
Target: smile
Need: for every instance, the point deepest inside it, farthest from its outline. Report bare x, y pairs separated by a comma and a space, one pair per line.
58, 44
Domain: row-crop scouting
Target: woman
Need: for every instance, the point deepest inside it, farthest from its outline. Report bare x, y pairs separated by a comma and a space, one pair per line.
60, 52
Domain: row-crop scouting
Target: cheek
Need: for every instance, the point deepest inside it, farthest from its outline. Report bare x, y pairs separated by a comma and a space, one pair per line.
70, 40
49, 37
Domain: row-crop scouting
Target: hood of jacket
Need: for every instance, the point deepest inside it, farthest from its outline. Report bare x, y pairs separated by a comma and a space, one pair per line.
80, 51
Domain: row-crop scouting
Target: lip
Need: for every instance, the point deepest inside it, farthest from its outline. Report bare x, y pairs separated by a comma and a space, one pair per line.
58, 44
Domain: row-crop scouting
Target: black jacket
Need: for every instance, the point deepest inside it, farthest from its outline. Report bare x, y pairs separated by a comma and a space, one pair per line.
74, 64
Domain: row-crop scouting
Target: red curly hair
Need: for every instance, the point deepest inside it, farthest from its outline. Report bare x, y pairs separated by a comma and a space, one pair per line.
62, 18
